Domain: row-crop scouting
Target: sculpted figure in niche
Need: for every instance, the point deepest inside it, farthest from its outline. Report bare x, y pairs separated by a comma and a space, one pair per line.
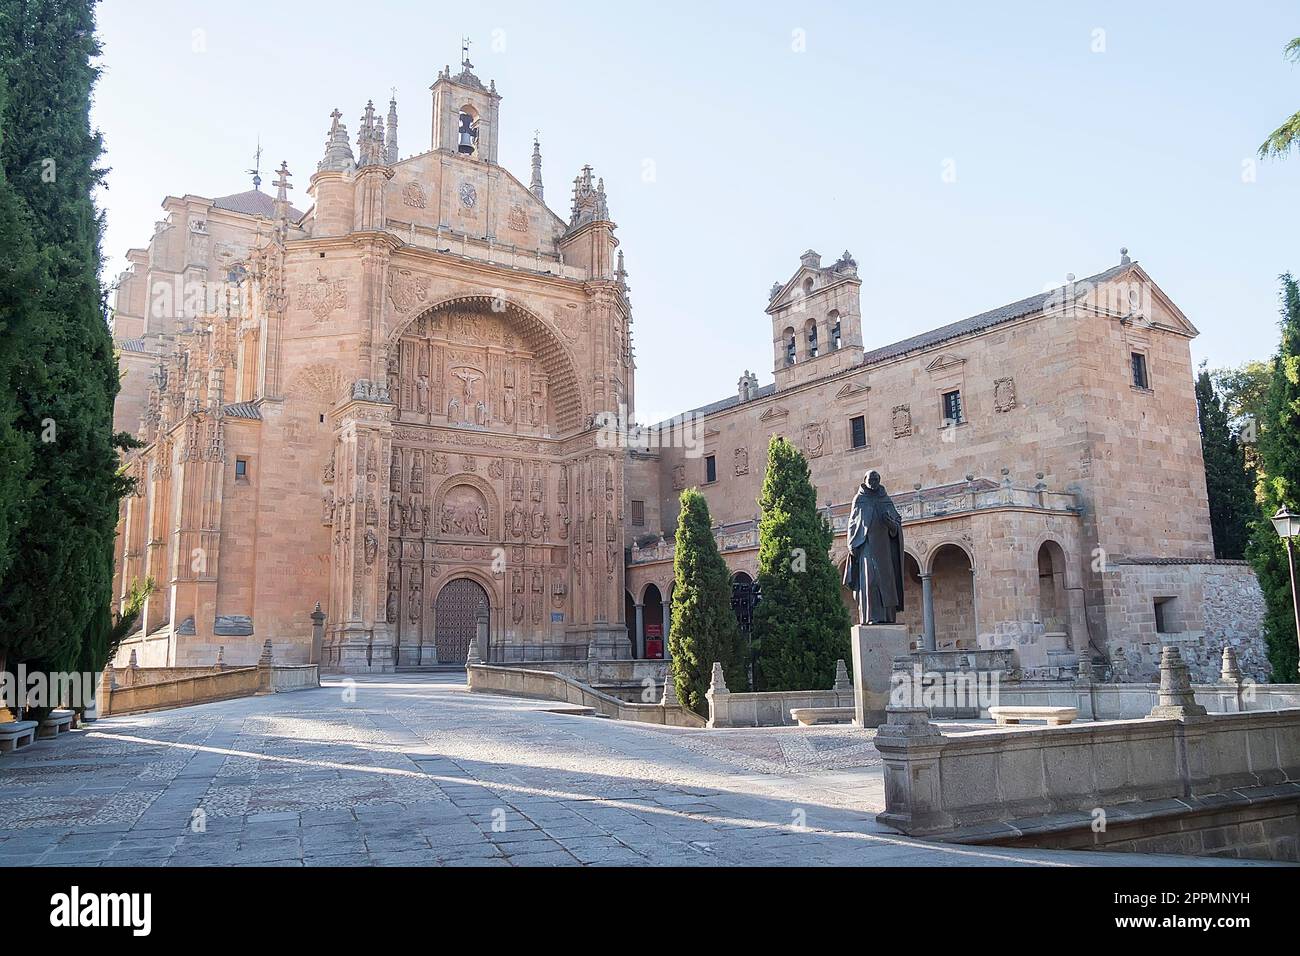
413, 598
874, 572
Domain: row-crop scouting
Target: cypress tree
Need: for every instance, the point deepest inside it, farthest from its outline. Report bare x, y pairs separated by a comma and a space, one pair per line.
1279, 485
801, 626
58, 585
21, 268
1227, 479
704, 628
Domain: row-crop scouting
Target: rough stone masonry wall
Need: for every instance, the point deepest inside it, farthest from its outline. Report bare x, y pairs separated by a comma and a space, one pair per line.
1208, 605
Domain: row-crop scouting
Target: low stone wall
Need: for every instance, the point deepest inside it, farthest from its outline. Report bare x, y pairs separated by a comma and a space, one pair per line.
605, 674
181, 691
545, 685
1132, 701
205, 686
142, 676
291, 677
771, 709
1145, 780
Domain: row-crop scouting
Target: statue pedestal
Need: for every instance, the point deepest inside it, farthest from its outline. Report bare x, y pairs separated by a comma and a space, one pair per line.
874, 648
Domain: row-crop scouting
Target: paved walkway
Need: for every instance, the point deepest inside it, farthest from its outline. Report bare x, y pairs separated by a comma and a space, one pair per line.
415, 770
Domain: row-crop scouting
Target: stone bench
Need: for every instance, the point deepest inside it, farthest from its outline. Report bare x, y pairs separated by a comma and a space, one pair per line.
15, 734
55, 723
1056, 716
812, 716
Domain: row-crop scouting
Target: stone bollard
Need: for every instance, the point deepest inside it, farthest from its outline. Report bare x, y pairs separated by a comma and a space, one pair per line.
317, 634
1176, 696
265, 665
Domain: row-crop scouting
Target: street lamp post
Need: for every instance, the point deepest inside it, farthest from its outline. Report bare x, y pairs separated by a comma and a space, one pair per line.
1287, 523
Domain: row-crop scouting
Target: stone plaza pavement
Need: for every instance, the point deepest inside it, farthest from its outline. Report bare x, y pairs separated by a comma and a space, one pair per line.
417, 771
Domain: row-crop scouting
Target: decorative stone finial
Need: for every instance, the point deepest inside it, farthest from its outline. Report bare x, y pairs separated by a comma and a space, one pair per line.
133, 663
670, 698
1085, 674
221, 657
1176, 697
390, 147
842, 682
338, 151
1123, 256
718, 681
1230, 672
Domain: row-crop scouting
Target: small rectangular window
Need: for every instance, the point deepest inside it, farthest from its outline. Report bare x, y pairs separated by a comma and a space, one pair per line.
710, 468
1166, 618
952, 411
1140, 377
858, 431
241, 468
638, 514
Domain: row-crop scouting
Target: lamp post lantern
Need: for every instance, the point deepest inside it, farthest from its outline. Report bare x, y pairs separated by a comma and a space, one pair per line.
1287, 523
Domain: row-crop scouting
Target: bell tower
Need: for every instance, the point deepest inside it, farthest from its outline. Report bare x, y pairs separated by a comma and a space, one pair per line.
465, 112
816, 320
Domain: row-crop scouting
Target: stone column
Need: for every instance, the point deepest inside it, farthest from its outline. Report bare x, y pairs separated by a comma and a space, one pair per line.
479, 647
927, 611
910, 747
668, 608
317, 634
638, 644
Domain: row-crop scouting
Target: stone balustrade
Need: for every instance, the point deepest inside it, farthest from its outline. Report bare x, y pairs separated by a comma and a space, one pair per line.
482, 250
923, 505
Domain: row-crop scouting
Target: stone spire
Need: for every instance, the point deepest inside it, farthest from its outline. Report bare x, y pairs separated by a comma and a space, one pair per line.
536, 184
390, 148
370, 138
282, 188
338, 151
589, 202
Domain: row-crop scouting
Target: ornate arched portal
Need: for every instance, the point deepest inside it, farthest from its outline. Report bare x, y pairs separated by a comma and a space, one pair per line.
477, 488
456, 612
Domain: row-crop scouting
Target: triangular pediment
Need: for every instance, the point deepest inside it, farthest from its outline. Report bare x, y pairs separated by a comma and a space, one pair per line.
1149, 305
773, 414
711, 432
850, 389
945, 362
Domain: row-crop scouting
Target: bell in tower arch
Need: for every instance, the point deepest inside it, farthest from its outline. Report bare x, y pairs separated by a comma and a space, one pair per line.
468, 135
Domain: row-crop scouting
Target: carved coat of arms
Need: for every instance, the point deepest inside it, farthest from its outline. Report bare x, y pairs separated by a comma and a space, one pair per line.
323, 296
407, 289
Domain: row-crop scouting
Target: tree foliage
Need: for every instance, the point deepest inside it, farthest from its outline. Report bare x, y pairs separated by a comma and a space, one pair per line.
1286, 136
1278, 485
704, 629
1228, 481
801, 626
62, 375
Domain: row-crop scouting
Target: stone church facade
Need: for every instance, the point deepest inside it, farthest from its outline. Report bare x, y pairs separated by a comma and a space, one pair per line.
1045, 457
399, 405
384, 405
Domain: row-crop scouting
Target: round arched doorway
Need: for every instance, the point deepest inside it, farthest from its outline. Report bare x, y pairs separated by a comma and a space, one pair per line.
456, 615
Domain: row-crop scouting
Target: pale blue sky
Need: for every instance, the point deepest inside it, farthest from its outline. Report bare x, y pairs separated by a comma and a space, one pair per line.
1061, 154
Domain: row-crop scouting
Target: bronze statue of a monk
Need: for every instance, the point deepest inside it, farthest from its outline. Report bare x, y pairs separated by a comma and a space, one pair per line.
874, 572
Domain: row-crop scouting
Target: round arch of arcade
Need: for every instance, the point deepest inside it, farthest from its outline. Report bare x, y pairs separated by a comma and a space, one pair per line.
571, 406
